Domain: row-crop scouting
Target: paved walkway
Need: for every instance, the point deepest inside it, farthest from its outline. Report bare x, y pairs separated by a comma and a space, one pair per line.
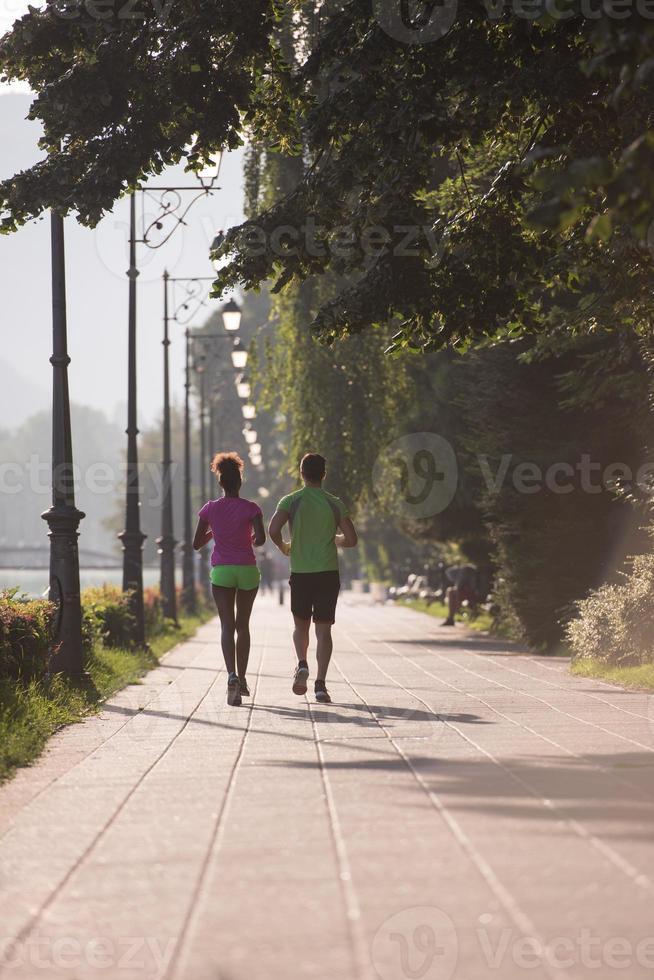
460, 811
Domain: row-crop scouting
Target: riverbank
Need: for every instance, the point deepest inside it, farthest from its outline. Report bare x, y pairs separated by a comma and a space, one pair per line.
33, 582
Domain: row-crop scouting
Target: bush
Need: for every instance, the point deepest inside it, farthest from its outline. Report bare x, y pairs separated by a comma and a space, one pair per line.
154, 617
25, 636
614, 623
107, 616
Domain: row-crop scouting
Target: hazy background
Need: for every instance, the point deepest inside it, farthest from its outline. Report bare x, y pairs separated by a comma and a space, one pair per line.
97, 285
97, 329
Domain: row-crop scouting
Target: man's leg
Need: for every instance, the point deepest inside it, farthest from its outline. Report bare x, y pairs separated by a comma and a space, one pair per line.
301, 641
325, 648
301, 637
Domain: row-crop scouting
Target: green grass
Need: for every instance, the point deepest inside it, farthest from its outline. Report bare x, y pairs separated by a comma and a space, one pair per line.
30, 714
636, 678
482, 622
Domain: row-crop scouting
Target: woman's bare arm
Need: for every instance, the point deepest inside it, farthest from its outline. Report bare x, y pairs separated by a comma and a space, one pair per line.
258, 531
202, 535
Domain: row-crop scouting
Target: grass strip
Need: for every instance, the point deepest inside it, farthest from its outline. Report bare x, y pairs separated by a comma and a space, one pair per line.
482, 621
639, 678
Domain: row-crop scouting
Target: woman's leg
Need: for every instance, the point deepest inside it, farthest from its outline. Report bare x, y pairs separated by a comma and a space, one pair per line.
244, 602
224, 599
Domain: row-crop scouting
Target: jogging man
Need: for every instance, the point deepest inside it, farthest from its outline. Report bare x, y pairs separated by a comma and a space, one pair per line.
318, 522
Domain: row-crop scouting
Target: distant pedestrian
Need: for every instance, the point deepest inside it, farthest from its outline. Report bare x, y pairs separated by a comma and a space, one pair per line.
463, 588
235, 525
266, 569
318, 522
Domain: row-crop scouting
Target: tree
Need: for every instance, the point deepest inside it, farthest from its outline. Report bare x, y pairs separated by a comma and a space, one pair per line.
515, 144
553, 434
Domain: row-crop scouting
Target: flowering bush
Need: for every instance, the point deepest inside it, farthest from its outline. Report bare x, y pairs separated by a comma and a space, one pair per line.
154, 617
107, 616
26, 628
614, 624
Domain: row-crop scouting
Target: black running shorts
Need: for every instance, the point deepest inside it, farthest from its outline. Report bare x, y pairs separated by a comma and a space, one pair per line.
314, 595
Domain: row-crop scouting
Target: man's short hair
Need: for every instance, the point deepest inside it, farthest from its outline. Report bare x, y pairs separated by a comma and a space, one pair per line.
313, 467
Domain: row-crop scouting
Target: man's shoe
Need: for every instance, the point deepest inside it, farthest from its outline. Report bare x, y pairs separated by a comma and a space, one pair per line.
448, 622
245, 690
300, 678
321, 693
234, 691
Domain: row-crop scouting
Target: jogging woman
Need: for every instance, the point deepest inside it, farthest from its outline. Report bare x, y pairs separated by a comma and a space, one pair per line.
235, 526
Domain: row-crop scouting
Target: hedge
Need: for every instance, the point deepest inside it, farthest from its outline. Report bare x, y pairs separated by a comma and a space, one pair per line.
26, 629
614, 624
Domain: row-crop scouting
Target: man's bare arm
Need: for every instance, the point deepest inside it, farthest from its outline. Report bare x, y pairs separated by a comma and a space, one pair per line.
279, 519
348, 538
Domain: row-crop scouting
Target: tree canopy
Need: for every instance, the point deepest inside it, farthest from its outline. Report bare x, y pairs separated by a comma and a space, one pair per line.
490, 179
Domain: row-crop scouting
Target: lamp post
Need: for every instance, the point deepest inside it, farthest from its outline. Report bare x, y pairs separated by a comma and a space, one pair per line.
166, 542
170, 209
199, 364
63, 517
200, 370
132, 537
188, 579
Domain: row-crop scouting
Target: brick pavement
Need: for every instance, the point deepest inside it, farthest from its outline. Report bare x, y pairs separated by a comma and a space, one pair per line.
461, 811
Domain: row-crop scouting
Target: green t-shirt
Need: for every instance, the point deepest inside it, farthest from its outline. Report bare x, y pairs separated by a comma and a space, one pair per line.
313, 515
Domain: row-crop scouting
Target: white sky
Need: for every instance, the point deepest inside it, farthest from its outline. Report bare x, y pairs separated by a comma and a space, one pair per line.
97, 286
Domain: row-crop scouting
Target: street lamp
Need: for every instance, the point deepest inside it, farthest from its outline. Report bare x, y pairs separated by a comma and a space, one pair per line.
239, 355
243, 386
194, 296
249, 412
188, 574
250, 436
170, 216
200, 368
231, 312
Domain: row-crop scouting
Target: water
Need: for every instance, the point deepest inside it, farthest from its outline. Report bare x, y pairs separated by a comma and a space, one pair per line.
34, 581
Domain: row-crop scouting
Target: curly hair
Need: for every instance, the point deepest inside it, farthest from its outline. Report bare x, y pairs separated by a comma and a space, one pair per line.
228, 467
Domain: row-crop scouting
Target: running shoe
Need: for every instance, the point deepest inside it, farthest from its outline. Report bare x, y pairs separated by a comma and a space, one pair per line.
301, 677
233, 691
321, 693
245, 690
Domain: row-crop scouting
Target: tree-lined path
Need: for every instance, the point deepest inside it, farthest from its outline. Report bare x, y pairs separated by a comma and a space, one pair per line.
461, 810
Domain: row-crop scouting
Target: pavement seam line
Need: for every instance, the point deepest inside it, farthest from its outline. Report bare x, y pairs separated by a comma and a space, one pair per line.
637, 877
553, 707
593, 765
348, 891
217, 834
25, 932
520, 919
91, 752
557, 687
